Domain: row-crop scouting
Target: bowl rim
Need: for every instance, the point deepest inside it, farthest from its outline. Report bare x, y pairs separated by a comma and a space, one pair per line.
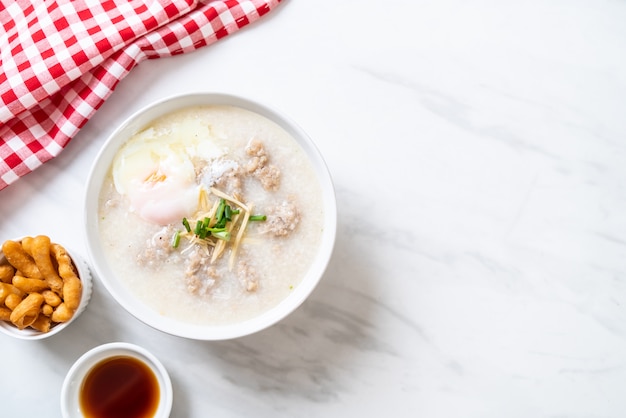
70, 390
136, 122
84, 274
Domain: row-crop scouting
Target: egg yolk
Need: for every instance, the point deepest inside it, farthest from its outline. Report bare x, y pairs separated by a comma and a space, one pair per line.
158, 179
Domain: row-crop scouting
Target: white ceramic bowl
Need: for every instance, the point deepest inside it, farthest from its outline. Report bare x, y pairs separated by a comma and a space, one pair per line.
136, 123
31, 334
71, 390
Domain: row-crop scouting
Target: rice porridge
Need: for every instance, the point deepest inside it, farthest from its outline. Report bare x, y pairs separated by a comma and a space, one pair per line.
211, 215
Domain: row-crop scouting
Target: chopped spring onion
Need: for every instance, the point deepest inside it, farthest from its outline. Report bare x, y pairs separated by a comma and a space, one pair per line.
176, 239
202, 229
223, 235
220, 210
221, 223
216, 227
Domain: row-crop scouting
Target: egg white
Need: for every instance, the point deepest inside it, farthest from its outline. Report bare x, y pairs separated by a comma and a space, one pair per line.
157, 176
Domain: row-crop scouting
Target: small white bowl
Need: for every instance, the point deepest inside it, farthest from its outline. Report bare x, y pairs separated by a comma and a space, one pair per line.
71, 390
116, 286
31, 334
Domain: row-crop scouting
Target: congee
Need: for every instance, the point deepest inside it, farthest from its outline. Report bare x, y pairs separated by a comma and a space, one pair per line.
211, 214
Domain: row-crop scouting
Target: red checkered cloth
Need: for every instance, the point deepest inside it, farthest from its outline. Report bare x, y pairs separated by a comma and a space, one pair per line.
60, 60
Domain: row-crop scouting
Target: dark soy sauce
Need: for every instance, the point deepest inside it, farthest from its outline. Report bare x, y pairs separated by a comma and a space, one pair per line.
120, 387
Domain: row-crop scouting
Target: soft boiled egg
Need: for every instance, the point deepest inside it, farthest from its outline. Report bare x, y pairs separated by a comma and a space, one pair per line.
156, 174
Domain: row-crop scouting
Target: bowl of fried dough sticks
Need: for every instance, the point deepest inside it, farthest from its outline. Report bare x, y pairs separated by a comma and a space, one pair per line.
44, 287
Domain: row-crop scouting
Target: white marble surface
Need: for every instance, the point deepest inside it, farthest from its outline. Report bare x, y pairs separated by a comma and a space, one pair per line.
478, 150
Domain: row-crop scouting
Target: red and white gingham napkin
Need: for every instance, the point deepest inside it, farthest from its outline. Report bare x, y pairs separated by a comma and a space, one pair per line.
61, 59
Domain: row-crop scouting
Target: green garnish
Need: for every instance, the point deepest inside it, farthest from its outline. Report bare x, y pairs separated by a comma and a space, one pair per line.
220, 210
176, 239
202, 228
224, 235
186, 224
218, 230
